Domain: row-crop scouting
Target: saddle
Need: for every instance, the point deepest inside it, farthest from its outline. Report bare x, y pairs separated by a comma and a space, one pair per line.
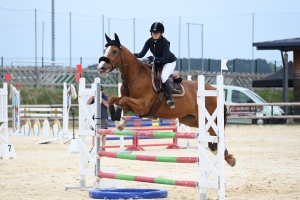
175, 82
174, 79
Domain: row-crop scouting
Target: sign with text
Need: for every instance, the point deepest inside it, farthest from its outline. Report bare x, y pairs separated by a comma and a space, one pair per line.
244, 110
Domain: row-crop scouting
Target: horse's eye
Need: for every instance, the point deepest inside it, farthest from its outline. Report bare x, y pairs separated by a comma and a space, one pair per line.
114, 51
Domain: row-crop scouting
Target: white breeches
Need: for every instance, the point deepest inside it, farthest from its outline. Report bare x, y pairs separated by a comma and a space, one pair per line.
167, 71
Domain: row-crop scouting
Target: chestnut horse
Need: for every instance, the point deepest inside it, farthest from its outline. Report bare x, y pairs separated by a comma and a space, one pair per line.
138, 95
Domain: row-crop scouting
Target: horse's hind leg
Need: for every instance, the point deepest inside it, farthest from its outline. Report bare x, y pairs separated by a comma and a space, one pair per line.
189, 120
213, 147
229, 158
192, 121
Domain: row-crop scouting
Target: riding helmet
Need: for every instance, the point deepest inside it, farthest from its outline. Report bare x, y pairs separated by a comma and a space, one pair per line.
157, 27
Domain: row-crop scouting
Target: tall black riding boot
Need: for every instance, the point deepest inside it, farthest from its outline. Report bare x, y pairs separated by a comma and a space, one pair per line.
168, 89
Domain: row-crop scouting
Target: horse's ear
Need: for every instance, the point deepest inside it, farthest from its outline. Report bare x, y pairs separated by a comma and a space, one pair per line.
117, 39
107, 38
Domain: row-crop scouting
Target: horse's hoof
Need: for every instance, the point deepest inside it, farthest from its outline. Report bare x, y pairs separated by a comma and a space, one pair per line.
120, 125
233, 162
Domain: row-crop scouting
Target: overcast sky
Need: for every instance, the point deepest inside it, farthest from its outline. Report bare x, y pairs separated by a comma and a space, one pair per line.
227, 27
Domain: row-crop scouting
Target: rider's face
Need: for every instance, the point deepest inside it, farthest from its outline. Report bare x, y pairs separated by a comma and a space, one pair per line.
156, 36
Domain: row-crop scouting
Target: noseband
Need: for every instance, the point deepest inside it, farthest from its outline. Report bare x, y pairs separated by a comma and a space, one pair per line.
105, 59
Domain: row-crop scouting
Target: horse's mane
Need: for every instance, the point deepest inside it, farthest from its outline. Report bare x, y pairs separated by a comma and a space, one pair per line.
142, 62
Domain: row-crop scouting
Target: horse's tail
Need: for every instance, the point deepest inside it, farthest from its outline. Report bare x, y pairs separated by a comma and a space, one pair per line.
225, 115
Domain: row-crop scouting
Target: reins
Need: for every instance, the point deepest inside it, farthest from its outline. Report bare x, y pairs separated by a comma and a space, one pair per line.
125, 78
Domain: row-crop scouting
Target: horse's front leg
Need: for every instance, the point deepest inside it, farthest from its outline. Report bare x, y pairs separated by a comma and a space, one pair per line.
124, 103
136, 105
113, 102
111, 106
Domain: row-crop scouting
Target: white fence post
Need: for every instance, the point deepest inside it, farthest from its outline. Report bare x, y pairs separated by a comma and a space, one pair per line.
16, 122
206, 166
221, 135
6, 150
65, 130
85, 122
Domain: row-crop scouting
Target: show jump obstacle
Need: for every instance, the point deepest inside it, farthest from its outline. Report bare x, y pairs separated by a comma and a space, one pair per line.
145, 124
211, 171
32, 112
6, 150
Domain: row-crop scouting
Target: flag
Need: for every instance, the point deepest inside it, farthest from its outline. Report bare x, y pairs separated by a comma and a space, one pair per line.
79, 69
223, 64
8, 77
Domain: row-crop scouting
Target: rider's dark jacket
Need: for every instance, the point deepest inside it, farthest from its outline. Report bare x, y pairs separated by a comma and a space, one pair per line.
160, 50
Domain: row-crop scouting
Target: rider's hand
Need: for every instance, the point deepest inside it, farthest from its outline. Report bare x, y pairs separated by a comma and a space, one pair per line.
136, 55
150, 60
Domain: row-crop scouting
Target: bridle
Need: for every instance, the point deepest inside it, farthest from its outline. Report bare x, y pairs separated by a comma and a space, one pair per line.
124, 77
113, 66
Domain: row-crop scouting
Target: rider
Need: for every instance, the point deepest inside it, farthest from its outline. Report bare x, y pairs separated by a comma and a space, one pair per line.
162, 57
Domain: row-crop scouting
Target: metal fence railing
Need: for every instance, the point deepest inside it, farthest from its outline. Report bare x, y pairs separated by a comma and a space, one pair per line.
55, 77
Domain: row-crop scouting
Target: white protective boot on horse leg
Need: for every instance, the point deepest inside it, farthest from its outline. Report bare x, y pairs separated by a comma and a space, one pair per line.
170, 101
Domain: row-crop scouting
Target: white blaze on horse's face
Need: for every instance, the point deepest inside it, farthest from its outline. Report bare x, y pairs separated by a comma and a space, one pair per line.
102, 68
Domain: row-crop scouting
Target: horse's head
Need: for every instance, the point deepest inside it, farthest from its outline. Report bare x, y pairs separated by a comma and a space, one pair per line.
112, 57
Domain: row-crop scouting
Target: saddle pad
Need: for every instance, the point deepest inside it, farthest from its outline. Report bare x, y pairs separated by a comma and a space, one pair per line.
178, 89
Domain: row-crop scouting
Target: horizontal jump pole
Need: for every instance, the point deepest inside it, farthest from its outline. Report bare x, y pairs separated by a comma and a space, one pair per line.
138, 118
148, 179
166, 128
147, 124
131, 138
154, 134
40, 115
131, 147
145, 120
118, 138
41, 109
127, 156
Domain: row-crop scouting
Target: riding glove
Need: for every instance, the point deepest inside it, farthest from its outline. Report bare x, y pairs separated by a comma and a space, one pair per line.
150, 60
136, 55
